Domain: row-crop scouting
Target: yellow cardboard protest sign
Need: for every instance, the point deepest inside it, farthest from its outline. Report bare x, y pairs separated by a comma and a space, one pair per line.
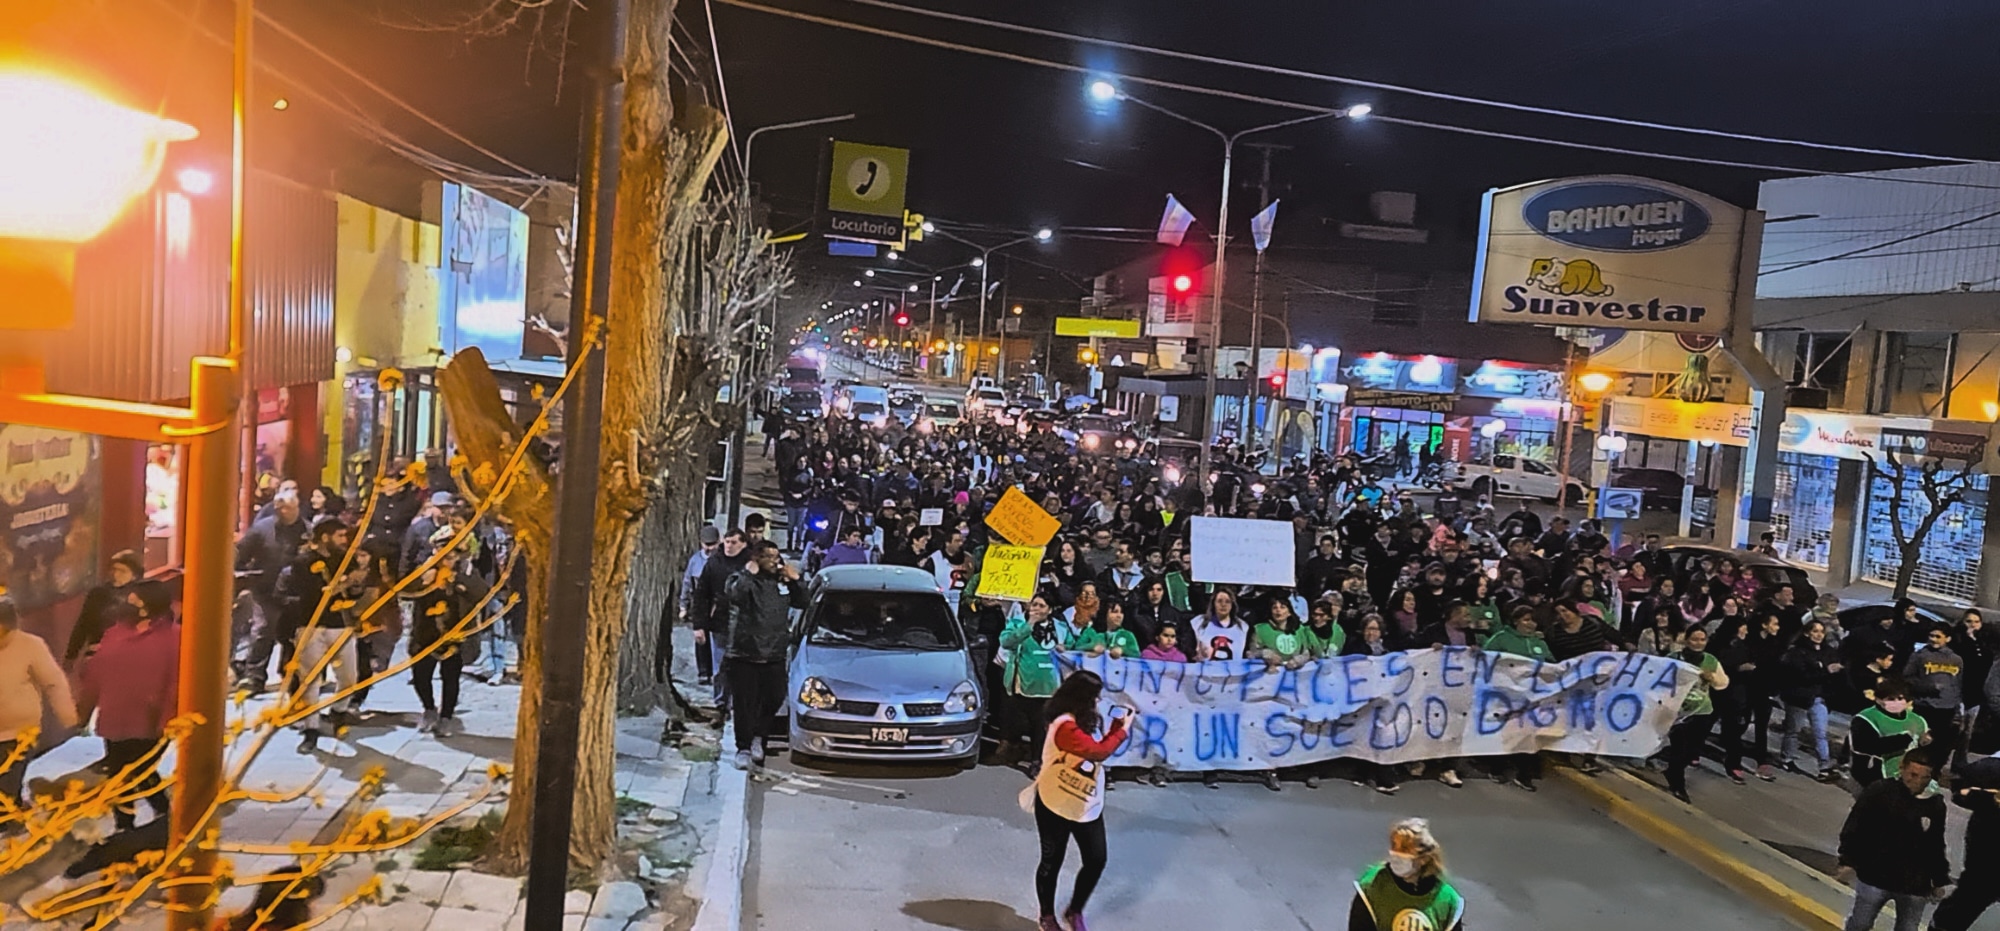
1021, 520
1010, 573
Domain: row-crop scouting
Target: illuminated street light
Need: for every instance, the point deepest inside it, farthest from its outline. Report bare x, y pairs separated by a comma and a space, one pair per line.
927, 226
978, 262
1044, 234
868, 273
75, 159
1103, 91
1358, 111
1594, 382
894, 255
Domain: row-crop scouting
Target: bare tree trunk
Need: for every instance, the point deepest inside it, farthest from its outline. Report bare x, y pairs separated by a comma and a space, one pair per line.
486, 437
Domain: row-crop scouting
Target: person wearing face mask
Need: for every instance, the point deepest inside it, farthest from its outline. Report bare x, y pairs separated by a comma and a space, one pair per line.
1880, 735
1408, 889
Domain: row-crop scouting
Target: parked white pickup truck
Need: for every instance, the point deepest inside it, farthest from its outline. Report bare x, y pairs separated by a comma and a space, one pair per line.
1512, 476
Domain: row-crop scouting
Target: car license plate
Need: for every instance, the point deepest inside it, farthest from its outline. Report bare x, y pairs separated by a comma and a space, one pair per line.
889, 735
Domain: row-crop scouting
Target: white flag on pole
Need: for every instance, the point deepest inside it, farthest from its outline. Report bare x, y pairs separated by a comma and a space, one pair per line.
1260, 226
1174, 222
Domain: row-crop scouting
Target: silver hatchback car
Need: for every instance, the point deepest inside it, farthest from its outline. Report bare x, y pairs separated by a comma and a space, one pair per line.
880, 669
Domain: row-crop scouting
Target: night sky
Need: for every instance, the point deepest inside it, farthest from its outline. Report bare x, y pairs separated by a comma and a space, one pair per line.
1008, 146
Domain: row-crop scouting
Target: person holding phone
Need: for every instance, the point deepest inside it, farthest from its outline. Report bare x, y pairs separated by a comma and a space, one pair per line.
1068, 794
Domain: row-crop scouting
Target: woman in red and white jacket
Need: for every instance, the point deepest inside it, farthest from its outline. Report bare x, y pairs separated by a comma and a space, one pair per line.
1068, 794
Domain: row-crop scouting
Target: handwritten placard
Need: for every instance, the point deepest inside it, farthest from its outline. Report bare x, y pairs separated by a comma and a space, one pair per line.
1244, 551
1010, 573
1021, 521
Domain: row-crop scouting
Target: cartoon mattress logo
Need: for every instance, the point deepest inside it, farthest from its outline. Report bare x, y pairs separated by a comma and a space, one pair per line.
1576, 284
1575, 276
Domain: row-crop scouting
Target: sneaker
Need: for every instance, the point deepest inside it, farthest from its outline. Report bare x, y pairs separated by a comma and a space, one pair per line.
757, 751
1766, 773
1525, 784
1075, 920
1736, 776
448, 727
1682, 794
1499, 776
1589, 766
429, 723
1828, 776
1157, 778
1271, 781
1312, 782
1794, 769
742, 761
1386, 788
1450, 777
1049, 923
1211, 779
309, 743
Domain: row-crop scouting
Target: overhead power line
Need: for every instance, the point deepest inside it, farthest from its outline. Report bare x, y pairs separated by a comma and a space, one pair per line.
1394, 88
1240, 96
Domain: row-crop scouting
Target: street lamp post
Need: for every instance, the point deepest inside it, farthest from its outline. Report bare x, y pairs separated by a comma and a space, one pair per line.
1106, 92
984, 262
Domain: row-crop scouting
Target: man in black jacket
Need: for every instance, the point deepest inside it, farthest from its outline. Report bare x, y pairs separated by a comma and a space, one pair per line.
1892, 846
264, 551
708, 611
760, 599
1977, 789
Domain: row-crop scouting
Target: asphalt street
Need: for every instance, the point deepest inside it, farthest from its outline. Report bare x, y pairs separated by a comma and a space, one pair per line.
875, 848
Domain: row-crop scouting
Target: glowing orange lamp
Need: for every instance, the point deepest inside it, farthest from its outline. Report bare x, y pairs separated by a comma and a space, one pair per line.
70, 162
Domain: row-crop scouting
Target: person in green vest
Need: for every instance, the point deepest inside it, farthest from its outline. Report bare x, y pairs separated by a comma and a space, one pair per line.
1407, 891
1697, 717
1323, 634
1880, 734
1279, 641
1030, 675
1108, 635
1520, 638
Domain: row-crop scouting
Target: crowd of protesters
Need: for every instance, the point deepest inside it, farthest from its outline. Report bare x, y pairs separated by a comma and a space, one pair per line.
1375, 573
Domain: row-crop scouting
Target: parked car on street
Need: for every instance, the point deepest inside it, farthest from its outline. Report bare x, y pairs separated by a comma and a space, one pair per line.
1769, 571
1660, 489
803, 405
945, 413
881, 669
1515, 476
865, 403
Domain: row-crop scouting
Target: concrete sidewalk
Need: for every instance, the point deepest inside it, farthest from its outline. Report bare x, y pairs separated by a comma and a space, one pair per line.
667, 800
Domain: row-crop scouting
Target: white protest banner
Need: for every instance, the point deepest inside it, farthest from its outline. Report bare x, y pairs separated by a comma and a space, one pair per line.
1243, 551
1397, 708
930, 517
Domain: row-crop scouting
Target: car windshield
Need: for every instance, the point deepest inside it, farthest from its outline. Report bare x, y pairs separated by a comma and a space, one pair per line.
885, 621
943, 410
864, 408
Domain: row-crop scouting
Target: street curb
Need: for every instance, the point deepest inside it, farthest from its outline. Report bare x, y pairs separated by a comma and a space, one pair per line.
1801, 894
722, 890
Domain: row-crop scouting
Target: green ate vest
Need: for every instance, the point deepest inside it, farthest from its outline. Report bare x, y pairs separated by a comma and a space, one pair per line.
1912, 724
1396, 909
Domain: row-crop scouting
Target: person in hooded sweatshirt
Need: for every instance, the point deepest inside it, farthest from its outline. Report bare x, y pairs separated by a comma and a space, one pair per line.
1935, 674
849, 550
133, 683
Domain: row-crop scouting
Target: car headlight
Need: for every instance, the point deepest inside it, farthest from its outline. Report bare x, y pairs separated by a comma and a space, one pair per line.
815, 695
1090, 441
963, 698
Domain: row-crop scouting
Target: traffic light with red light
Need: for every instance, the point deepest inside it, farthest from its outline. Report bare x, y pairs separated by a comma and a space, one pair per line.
902, 318
1181, 284
1277, 382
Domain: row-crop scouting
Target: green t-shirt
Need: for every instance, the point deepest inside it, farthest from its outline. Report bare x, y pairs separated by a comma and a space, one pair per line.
1285, 644
1397, 909
1699, 702
1320, 646
1089, 639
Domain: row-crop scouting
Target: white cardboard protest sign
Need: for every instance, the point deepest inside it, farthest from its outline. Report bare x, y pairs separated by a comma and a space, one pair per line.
1396, 708
930, 517
1242, 551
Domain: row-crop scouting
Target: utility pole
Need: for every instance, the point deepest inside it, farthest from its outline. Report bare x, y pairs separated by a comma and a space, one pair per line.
1254, 391
563, 644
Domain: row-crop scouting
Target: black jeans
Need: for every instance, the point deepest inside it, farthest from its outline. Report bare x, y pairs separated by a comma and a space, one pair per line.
119, 754
420, 678
755, 689
1945, 739
1056, 831
1734, 717
1527, 766
1684, 745
1758, 709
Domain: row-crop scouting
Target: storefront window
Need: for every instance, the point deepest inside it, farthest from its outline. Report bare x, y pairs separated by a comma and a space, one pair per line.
1975, 377
1917, 366
1948, 561
1802, 507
